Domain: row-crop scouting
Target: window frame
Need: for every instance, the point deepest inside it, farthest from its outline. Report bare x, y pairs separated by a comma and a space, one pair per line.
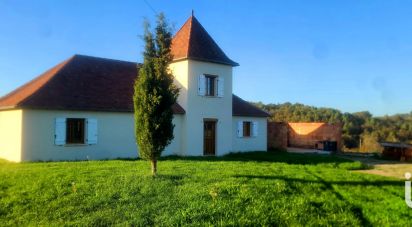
208, 91
247, 129
73, 138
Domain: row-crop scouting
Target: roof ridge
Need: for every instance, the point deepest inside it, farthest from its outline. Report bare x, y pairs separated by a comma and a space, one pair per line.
44, 75
212, 40
181, 28
190, 34
80, 84
104, 58
189, 22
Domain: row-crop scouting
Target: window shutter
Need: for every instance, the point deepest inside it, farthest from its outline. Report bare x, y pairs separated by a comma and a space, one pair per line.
240, 129
220, 86
202, 85
91, 131
255, 128
60, 131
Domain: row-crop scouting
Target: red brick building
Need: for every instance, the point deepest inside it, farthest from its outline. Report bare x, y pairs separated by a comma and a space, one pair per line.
322, 136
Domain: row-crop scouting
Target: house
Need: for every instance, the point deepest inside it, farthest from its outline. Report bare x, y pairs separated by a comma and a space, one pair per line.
83, 109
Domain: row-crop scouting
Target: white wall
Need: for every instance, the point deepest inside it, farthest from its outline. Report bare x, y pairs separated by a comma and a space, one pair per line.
116, 137
258, 143
11, 134
180, 71
28, 135
199, 108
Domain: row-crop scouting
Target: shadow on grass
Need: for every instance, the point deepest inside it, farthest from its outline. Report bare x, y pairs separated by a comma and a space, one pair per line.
319, 181
262, 156
254, 156
173, 178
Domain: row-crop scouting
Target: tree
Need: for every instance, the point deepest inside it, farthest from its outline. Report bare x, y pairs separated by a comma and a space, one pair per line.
155, 94
356, 126
370, 143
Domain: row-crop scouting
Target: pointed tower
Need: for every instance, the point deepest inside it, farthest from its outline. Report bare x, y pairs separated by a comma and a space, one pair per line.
204, 74
193, 42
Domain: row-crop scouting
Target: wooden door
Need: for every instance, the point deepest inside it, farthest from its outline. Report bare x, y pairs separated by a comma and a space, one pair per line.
209, 140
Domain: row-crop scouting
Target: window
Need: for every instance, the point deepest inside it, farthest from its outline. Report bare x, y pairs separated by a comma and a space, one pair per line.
246, 128
75, 131
210, 85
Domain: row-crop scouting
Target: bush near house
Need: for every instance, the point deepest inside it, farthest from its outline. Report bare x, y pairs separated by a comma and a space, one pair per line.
238, 189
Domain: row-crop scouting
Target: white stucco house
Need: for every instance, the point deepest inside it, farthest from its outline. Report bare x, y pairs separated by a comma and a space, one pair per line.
83, 109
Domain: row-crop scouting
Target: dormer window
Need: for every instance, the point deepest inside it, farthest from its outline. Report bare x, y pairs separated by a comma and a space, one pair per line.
211, 85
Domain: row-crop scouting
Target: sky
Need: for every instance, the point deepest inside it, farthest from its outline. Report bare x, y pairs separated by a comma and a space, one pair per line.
351, 55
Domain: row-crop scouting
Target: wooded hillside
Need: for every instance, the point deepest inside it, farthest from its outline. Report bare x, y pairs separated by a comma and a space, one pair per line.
361, 130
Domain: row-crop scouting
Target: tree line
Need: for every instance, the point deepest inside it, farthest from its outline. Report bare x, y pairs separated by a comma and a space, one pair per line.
360, 131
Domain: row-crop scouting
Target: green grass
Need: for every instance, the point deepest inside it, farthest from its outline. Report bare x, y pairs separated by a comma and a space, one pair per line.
238, 189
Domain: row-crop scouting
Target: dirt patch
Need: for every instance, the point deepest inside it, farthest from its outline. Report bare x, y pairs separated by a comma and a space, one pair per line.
389, 170
383, 167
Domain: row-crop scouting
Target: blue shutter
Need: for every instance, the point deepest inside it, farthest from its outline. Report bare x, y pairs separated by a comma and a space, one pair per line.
240, 129
60, 131
91, 131
255, 128
202, 85
220, 86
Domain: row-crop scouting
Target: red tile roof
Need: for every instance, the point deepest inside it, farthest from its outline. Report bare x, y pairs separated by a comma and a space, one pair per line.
80, 83
92, 84
18, 96
193, 42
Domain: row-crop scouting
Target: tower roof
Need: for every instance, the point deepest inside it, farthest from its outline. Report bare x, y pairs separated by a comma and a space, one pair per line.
193, 42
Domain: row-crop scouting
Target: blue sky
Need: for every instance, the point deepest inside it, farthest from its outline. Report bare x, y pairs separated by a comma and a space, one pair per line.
349, 55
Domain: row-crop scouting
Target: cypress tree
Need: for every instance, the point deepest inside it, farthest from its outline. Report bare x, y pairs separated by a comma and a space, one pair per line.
155, 94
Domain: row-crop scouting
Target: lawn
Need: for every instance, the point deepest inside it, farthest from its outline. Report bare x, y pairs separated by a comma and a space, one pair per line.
238, 189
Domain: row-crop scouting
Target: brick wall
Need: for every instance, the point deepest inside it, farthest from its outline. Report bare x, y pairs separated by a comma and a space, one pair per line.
308, 134
277, 135
304, 135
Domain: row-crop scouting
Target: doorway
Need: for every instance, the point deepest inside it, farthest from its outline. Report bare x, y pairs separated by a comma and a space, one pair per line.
209, 137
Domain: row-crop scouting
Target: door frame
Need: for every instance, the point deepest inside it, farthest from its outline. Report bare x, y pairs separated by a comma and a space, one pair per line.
212, 120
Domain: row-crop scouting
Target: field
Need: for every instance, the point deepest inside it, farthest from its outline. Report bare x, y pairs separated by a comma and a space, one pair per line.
238, 189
